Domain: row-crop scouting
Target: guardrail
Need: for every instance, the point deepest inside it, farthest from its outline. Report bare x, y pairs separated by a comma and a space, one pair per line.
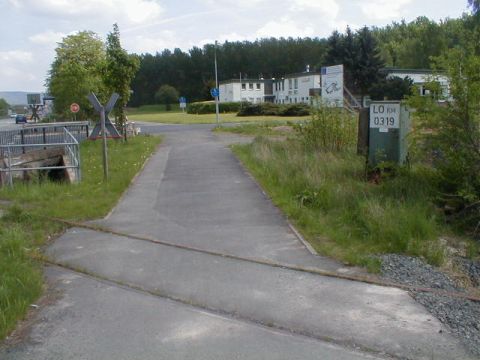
71, 156
34, 134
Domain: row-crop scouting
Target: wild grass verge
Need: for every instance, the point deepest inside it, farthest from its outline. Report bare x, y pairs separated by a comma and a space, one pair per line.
184, 118
24, 228
264, 129
343, 216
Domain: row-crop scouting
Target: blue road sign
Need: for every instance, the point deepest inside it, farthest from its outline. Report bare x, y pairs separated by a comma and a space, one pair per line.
214, 92
182, 99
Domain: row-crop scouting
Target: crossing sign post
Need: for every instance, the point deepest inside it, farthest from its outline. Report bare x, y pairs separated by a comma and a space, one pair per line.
105, 124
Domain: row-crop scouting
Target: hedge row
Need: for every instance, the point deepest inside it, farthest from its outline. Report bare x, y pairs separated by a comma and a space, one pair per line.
208, 107
248, 109
274, 109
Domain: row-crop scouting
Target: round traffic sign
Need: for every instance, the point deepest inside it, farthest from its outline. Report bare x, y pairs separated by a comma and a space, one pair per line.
74, 108
214, 92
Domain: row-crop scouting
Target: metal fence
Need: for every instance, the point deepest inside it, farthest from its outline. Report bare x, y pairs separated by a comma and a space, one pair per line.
64, 139
34, 134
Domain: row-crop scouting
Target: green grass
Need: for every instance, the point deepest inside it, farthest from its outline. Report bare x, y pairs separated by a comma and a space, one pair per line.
20, 277
256, 129
326, 196
24, 228
184, 118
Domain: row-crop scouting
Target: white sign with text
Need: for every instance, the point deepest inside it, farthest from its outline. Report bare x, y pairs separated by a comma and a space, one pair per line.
384, 116
332, 85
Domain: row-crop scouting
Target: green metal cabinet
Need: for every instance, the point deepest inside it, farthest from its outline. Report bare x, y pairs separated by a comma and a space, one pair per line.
389, 126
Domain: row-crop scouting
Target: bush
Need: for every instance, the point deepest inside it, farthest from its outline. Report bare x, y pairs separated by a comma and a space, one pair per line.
449, 137
330, 129
271, 109
208, 107
294, 110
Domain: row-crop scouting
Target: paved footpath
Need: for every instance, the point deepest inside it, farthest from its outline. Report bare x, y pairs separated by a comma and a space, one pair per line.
121, 296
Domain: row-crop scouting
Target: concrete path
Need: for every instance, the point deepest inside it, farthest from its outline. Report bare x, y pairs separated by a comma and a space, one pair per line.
143, 300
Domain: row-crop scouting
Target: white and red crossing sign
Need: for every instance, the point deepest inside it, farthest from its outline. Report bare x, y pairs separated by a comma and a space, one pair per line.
74, 108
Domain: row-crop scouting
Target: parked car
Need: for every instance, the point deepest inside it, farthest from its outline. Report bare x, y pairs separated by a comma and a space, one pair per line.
20, 119
13, 115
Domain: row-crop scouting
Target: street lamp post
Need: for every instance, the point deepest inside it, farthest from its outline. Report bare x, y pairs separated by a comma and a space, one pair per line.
216, 86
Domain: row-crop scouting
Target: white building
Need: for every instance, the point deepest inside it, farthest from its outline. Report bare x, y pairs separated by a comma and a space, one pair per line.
302, 87
420, 78
291, 89
252, 90
297, 88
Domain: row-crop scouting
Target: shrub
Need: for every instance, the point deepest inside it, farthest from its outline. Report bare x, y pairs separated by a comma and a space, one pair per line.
271, 109
330, 129
208, 107
295, 110
449, 137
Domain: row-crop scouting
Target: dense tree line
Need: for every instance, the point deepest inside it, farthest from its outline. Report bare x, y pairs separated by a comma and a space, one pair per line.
401, 44
192, 72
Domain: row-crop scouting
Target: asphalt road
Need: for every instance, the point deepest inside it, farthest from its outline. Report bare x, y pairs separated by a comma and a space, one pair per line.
144, 300
7, 124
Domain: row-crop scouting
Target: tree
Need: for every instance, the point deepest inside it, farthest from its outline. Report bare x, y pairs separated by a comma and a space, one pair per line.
475, 5
452, 141
3, 107
120, 70
350, 54
367, 68
75, 72
335, 51
394, 88
167, 95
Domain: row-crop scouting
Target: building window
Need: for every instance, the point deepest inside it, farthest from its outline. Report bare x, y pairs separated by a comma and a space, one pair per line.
295, 100
244, 99
244, 86
259, 100
258, 86
296, 84
250, 86
283, 85
289, 83
251, 100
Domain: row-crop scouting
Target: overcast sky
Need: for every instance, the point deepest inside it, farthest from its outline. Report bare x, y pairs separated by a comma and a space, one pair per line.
30, 29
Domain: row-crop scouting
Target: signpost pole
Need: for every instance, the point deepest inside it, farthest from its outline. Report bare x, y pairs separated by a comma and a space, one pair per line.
104, 138
216, 85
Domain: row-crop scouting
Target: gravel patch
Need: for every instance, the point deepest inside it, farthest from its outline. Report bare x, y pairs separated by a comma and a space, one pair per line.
462, 317
471, 269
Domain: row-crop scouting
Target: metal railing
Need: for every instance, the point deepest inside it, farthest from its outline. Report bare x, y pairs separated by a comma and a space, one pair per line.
350, 102
70, 153
34, 134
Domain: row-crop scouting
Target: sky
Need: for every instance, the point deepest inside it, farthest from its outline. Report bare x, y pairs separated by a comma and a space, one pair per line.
31, 29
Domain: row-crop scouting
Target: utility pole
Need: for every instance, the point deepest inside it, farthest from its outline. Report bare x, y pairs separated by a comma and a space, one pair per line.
216, 85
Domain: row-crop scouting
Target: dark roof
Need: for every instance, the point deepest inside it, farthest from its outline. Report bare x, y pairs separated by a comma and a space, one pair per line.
409, 71
245, 81
302, 74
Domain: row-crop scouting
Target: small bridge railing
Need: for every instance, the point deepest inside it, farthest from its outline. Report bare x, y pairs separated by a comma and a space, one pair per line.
65, 141
34, 134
